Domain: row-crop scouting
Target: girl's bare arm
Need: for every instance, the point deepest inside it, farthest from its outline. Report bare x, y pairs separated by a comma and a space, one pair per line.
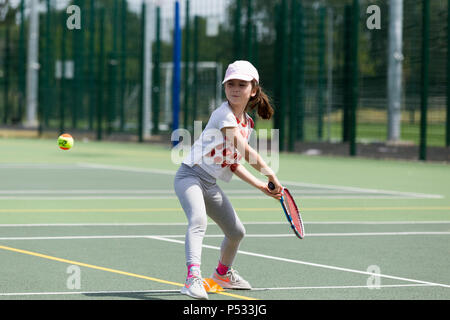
251, 156
247, 176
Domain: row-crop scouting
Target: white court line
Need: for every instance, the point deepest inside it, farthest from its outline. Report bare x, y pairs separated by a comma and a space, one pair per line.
86, 191
118, 197
376, 222
8, 294
275, 235
87, 197
49, 166
172, 172
113, 224
161, 197
125, 168
345, 287
150, 191
366, 190
115, 191
82, 237
137, 224
367, 193
294, 183
310, 263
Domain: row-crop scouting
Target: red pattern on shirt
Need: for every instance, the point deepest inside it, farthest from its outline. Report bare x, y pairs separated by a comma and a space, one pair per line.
232, 161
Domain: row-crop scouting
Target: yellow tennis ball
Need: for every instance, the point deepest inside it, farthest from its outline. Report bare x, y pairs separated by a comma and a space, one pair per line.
65, 141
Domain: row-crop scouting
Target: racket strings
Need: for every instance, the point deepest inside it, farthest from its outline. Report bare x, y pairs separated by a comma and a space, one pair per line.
294, 213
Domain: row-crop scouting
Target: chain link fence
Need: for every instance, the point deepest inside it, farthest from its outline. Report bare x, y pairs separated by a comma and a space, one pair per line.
324, 69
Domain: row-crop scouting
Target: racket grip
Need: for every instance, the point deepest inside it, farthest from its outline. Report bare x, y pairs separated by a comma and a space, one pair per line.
271, 185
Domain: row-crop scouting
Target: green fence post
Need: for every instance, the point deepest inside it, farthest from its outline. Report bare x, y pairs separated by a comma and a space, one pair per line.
109, 99
80, 107
255, 61
92, 84
186, 68
75, 100
22, 62
283, 65
6, 64
248, 31
157, 74
447, 126
237, 31
195, 71
301, 75
424, 79
49, 56
322, 73
41, 78
73, 83
354, 77
276, 54
141, 66
249, 35
347, 71
62, 80
112, 92
293, 77
255, 50
123, 63
112, 72
45, 74
100, 76
41, 87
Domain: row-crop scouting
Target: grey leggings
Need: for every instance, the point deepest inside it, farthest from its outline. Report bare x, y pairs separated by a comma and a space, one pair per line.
199, 195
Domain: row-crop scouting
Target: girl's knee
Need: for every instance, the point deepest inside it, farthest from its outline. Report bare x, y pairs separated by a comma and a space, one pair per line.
238, 234
198, 223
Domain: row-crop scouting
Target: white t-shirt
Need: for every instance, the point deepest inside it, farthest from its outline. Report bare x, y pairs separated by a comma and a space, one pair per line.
211, 151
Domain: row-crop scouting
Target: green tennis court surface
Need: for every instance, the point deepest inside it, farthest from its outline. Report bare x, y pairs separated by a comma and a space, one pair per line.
102, 222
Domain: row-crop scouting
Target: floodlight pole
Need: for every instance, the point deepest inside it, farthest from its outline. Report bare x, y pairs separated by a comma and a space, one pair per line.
395, 58
32, 67
176, 71
148, 40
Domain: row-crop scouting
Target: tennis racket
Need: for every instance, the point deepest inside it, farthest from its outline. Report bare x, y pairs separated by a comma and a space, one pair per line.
291, 211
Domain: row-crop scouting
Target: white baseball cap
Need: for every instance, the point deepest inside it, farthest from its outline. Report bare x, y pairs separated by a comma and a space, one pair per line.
241, 70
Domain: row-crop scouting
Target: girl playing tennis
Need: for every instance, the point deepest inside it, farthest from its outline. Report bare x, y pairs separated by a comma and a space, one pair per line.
216, 154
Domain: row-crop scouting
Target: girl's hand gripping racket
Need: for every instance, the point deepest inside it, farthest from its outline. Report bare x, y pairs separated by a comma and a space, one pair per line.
291, 211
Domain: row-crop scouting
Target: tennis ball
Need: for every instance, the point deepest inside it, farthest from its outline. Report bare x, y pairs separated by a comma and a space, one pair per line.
65, 141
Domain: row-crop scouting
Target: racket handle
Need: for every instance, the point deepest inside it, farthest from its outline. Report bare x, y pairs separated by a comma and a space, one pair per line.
271, 185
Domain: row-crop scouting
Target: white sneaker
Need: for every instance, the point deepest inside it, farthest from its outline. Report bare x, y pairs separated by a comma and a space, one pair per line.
193, 286
231, 280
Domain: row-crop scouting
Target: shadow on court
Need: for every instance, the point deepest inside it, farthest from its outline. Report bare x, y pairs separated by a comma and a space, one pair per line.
137, 295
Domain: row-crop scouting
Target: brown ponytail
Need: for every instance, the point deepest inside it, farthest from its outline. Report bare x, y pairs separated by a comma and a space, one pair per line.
260, 101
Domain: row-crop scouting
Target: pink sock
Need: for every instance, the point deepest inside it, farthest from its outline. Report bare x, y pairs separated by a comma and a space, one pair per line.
222, 269
189, 269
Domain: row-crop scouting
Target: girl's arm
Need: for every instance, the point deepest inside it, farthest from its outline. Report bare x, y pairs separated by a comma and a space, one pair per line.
248, 177
251, 156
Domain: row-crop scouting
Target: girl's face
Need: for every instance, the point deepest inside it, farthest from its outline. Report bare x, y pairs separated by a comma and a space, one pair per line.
238, 92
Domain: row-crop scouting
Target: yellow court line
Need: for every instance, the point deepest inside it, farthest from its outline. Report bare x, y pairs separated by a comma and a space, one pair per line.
81, 264
238, 209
